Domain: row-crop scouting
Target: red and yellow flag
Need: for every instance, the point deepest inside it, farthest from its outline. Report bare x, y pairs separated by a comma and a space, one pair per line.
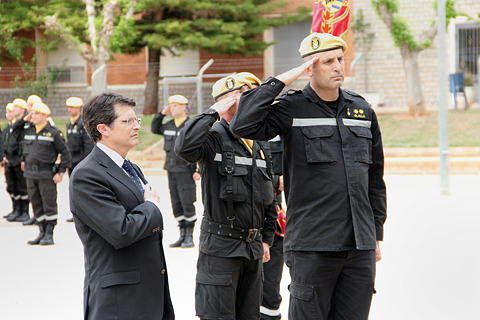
331, 16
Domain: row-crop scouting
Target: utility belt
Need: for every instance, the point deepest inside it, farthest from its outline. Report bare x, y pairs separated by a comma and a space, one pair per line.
176, 162
34, 167
247, 235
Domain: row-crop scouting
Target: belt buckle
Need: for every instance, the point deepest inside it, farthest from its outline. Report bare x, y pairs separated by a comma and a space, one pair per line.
252, 234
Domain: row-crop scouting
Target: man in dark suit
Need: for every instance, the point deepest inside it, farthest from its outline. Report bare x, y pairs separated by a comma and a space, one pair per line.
118, 220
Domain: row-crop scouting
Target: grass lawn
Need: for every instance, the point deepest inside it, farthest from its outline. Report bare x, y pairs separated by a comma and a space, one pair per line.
404, 131
398, 130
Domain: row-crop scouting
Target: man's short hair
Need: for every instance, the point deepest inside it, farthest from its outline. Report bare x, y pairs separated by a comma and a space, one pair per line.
101, 109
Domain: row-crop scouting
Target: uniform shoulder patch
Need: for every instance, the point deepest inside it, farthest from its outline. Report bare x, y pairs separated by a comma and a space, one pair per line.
293, 91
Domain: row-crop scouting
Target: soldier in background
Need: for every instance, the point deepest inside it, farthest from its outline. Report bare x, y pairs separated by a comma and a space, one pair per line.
43, 143
239, 208
181, 174
78, 142
273, 269
12, 158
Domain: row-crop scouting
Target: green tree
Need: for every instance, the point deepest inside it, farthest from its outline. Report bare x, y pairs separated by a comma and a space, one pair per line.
17, 18
410, 47
219, 26
89, 26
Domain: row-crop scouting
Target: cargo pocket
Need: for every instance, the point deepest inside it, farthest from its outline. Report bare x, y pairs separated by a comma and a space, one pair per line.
238, 181
169, 142
319, 144
302, 302
27, 147
266, 186
215, 295
362, 142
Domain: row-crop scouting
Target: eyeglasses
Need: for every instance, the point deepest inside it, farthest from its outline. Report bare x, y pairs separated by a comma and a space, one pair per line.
130, 121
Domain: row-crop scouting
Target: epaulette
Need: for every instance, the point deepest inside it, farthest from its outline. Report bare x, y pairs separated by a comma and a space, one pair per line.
291, 91
351, 93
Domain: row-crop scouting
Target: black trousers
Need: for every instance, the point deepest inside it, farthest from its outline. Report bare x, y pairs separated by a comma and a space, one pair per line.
183, 193
228, 288
331, 285
272, 272
43, 197
16, 183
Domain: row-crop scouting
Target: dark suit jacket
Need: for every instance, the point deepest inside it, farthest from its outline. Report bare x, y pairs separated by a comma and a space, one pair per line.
125, 271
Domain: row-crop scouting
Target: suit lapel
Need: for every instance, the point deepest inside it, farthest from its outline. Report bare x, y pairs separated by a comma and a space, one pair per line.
117, 173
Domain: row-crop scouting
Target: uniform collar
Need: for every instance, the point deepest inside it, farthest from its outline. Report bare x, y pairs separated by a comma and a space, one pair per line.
313, 97
41, 127
74, 119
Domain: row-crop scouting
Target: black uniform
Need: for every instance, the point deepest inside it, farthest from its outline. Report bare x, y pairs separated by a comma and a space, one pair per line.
336, 196
40, 152
180, 181
229, 267
16, 183
78, 142
273, 269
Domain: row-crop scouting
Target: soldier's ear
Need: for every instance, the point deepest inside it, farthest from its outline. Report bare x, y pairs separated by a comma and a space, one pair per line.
308, 71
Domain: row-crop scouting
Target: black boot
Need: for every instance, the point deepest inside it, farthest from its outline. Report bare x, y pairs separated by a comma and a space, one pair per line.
188, 242
24, 216
48, 239
14, 207
29, 222
16, 211
41, 226
178, 243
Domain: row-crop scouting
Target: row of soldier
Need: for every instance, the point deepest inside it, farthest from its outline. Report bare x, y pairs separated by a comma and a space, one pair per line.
35, 157
334, 188
182, 175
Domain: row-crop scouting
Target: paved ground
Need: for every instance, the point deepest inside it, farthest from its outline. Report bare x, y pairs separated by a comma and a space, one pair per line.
429, 271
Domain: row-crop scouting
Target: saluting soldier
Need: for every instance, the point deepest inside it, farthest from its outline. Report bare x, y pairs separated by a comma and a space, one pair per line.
78, 142
43, 143
181, 174
239, 208
16, 184
334, 187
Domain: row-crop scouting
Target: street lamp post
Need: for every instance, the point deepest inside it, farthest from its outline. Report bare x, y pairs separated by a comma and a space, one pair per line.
442, 100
